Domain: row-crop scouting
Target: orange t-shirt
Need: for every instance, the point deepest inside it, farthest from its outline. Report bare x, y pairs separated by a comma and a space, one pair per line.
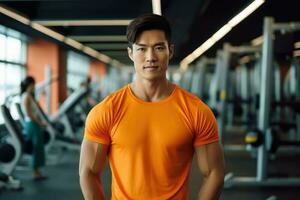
151, 143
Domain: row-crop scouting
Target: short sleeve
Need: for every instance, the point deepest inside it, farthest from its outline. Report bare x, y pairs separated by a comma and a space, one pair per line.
98, 124
206, 128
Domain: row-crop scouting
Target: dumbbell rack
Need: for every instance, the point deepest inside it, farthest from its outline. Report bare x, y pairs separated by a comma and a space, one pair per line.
261, 178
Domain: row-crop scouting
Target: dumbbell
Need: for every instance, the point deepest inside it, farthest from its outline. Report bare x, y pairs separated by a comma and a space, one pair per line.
254, 138
274, 141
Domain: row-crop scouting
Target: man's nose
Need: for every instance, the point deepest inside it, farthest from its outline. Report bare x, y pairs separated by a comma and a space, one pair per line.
151, 56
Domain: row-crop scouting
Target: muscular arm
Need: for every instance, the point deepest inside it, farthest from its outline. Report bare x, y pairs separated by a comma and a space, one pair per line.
210, 160
92, 163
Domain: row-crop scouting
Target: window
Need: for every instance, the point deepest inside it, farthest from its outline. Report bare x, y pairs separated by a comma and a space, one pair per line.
2, 46
77, 69
12, 66
13, 49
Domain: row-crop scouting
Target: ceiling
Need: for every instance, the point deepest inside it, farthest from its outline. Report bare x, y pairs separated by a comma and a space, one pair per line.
192, 21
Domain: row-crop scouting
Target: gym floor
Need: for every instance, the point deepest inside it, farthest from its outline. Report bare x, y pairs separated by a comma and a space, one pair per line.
63, 182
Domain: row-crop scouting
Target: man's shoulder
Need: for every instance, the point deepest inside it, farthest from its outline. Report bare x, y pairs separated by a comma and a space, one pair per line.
112, 98
117, 94
190, 100
188, 95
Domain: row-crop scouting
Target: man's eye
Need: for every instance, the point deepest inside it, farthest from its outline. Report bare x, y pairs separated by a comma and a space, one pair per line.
141, 49
160, 48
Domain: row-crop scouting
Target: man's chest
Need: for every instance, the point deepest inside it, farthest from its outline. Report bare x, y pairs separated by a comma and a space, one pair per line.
162, 128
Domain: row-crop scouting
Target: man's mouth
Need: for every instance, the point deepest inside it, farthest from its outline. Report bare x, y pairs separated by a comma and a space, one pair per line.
150, 67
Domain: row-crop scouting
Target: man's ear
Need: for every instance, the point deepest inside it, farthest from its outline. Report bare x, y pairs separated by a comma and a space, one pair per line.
129, 51
171, 48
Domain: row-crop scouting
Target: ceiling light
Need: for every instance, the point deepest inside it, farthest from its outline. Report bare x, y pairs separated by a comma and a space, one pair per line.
224, 30
58, 36
47, 31
116, 63
297, 45
108, 22
183, 65
100, 38
115, 53
221, 32
156, 7
110, 46
73, 43
196, 53
244, 60
104, 58
296, 53
245, 13
257, 41
90, 51
14, 15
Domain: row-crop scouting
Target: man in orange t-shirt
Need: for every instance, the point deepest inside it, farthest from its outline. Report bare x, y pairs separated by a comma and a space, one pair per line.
150, 129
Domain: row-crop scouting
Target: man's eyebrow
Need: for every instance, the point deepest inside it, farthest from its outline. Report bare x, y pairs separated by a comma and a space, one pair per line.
160, 44
140, 44
156, 44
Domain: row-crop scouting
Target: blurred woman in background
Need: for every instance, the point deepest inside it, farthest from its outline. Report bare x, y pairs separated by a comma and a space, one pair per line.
33, 127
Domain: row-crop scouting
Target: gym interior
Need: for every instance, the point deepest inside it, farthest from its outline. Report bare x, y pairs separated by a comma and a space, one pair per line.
242, 58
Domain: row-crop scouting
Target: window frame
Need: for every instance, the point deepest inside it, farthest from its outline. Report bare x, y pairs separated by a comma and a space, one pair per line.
20, 63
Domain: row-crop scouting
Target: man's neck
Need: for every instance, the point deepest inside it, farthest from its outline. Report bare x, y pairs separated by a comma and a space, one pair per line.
152, 91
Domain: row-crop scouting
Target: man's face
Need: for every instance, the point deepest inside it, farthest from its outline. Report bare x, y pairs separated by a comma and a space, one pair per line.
151, 54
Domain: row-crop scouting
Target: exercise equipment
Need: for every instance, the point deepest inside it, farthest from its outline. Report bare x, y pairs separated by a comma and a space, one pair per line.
221, 89
11, 149
254, 138
57, 129
48, 136
13, 141
186, 80
261, 178
66, 107
274, 140
201, 77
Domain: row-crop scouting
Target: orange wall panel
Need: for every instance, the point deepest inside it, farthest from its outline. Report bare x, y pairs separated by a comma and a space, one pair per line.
97, 68
98, 71
41, 53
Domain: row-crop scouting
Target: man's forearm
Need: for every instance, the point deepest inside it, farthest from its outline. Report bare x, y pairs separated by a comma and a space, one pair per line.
91, 187
211, 187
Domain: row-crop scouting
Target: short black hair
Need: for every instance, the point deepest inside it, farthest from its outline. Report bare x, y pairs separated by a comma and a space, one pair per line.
26, 82
148, 22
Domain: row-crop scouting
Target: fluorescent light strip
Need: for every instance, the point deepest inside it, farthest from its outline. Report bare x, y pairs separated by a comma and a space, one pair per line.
73, 43
244, 60
184, 65
221, 33
112, 22
56, 35
257, 41
296, 53
245, 13
15, 16
156, 7
104, 58
116, 53
48, 31
116, 63
108, 46
90, 51
100, 38
297, 45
